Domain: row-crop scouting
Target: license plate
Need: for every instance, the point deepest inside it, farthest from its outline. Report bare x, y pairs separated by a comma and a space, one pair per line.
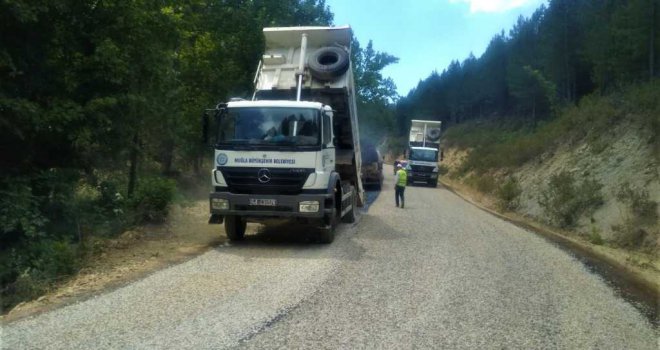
266, 202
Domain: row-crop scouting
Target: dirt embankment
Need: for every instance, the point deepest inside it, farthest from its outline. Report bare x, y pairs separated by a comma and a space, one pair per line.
613, 160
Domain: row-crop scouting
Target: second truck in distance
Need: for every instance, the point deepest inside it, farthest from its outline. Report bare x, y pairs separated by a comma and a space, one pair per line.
423, 152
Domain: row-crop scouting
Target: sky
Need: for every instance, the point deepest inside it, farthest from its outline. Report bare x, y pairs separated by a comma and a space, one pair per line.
426, 35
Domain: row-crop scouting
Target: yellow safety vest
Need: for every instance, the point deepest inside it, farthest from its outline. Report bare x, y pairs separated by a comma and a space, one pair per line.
402, 178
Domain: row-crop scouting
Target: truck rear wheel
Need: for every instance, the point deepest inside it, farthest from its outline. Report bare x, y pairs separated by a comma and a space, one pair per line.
235, 227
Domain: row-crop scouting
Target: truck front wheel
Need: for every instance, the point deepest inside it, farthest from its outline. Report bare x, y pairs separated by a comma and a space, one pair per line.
235, 227
327, 234
350, 216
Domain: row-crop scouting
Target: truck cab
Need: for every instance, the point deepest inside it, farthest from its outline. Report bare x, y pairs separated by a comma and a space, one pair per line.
423, 165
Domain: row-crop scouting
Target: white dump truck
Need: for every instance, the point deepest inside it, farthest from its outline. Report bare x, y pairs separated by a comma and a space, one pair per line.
423, 151
292, 151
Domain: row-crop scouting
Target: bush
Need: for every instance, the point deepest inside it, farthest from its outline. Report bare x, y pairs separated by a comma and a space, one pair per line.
595, 237
483, 183
629, 235
643, 209
151, 199
30, 268
565, 201
509, 194
443, 169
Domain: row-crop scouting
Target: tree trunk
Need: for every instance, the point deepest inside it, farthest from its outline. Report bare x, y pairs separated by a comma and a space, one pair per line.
567, 79
652, 41
167, 157
534, 112
197, 161
133, 159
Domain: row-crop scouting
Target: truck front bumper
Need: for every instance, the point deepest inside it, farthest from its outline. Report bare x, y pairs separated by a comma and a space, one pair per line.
286, 205
422, 177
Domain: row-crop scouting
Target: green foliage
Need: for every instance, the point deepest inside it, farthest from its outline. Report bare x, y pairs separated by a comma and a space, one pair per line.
644, 210
508, 194
152, 198
375, 93
28, 269
19, 210
629, 235
533, 92
494, 146
595, 237
368, 63
483, 183
565, 201
640, 219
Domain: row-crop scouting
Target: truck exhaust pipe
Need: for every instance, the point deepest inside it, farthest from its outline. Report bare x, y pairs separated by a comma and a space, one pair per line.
301, 65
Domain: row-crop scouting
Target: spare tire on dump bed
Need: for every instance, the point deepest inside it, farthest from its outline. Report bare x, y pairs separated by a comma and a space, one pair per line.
328, 63
433, 134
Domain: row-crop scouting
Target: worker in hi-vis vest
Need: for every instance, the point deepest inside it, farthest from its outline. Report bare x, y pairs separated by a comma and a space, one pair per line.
401, 181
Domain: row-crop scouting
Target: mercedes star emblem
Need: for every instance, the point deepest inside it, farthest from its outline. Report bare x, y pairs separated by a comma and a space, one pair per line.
263, 176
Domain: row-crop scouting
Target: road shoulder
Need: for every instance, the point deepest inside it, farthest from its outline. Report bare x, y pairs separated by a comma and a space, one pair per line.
622, 268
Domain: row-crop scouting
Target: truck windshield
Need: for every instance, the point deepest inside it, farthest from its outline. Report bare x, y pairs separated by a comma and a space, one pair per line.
426, 155
270, 126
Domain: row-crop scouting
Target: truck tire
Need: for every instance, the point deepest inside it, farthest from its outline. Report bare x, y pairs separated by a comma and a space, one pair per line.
328, 63
327, 234
433, 134
235, 227
433, 183
352, 214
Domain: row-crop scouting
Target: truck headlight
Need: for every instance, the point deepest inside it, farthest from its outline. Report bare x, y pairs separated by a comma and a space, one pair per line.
219, 204
308, 206
435, 170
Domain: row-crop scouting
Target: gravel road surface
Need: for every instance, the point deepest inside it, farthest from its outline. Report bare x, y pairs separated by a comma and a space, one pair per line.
438, 274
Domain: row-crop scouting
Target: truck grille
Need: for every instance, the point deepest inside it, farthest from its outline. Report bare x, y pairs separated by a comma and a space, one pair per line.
280, 180
422, 168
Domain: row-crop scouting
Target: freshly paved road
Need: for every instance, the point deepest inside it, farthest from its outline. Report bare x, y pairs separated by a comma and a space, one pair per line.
438, 274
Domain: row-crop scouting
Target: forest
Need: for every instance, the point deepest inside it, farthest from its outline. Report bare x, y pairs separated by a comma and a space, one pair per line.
566, 50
